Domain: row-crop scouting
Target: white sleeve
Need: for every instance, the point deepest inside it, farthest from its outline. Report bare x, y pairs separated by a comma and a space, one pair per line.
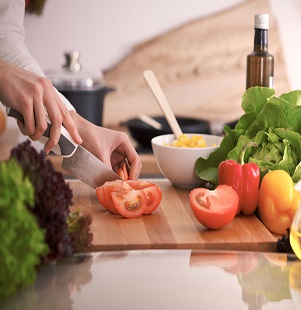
12, 34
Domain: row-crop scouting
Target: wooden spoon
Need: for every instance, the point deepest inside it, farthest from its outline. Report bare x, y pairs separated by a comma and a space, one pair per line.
156, 89
150, 121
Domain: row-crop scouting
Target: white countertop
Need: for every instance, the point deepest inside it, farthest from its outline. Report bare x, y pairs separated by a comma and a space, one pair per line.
166, 279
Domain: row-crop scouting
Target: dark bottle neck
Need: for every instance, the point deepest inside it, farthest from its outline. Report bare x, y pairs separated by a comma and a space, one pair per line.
261, 40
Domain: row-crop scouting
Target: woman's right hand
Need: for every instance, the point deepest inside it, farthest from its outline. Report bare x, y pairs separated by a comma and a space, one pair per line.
31, 94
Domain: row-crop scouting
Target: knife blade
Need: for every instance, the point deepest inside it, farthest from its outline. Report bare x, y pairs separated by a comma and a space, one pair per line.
78, 161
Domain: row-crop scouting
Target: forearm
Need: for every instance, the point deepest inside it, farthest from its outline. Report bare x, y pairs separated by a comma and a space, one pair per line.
12, 35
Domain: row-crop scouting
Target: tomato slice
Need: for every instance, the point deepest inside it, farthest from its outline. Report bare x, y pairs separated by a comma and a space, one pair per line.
129, 198
130, 204
123, 173
152, 191
104, 192
214, 208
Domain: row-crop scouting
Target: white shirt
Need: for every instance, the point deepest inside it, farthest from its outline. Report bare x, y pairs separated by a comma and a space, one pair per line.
12, 35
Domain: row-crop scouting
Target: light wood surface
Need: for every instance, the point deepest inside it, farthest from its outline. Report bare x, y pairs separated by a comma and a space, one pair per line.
171, 226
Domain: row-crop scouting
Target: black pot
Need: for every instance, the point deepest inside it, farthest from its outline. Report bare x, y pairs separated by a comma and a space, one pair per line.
84, 90
143, 133
89, 102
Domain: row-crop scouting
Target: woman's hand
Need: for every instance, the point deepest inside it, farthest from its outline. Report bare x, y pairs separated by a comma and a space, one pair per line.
31, 94
110, 146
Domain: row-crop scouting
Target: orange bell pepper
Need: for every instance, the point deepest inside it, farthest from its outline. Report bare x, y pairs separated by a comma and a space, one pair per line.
278, 201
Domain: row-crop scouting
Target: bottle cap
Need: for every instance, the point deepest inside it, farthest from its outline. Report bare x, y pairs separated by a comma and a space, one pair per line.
262, 21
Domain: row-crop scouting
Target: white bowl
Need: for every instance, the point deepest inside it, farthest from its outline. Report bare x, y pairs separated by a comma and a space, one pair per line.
177, 164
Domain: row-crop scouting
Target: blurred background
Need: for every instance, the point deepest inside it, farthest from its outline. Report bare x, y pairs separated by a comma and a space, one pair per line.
196, 48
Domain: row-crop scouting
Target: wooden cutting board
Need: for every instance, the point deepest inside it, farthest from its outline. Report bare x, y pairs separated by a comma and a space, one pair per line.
171, 226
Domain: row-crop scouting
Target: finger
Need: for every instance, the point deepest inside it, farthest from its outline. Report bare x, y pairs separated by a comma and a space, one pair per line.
28, 125
22, 127
56, 124
39, 114
135, 169
134, 161
67, 119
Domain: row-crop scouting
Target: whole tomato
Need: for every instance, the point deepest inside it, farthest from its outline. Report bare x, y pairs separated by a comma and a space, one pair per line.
214, 208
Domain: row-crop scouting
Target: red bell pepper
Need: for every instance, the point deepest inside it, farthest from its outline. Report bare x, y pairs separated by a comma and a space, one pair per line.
244, 178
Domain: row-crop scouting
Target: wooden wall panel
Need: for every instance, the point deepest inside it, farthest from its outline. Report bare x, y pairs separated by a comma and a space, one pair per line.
201, 66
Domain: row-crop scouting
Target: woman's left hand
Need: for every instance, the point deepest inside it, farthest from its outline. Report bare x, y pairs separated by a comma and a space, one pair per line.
110, 146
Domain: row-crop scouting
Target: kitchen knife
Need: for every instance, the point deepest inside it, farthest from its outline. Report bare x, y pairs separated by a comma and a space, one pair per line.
82, 164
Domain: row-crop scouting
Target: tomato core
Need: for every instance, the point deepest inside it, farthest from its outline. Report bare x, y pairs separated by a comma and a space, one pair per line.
132, 206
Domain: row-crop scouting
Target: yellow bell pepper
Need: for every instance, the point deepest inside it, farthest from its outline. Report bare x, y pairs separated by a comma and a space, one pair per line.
278, 201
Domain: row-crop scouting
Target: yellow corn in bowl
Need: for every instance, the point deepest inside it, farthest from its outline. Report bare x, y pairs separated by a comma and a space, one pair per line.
176, 158
194, 141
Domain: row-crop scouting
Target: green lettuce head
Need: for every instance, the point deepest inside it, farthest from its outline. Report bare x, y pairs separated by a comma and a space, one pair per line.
274, 123
278, 148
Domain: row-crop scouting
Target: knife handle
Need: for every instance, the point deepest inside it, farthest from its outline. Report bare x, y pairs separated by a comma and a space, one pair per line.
66, 146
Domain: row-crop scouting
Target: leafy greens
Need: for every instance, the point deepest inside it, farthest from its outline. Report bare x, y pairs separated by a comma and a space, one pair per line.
274, 123
37, 225
22, 240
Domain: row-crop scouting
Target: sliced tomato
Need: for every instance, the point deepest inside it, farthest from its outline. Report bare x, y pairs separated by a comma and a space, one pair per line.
214, 208
130, 204
123, 173
124, 197
152, 191
104, 193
